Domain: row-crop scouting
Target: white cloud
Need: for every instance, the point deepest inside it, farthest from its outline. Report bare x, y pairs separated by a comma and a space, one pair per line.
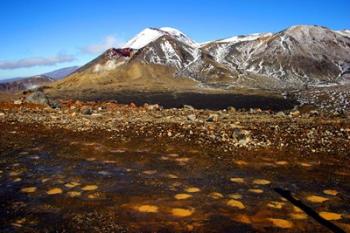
35, 61
107, 43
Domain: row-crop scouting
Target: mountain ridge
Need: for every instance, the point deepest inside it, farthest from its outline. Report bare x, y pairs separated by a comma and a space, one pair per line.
294, 58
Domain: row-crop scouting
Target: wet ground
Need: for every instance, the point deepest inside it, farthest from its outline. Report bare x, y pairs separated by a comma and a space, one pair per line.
62, 181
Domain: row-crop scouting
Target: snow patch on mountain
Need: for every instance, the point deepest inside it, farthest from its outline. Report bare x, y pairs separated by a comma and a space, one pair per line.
179, 36
237, 39
144, 38
149, 35
344, 33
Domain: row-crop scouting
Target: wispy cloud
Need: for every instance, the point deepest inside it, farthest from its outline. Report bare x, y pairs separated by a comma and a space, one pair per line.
107, 43
36, 61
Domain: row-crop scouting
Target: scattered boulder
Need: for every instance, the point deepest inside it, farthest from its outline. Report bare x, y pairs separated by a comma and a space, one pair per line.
242, 136
39, 97
18, 102
314, 113
295, 113
280, 114
188, 107
231, 109
85, 110
213, 118
191, 117
151, 107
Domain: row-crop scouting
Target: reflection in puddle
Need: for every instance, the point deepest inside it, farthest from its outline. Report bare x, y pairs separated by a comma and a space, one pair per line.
148, 209
89, 188
192, 190
330, 216
281, 223
182, 196
237, 180
256, 191
316, 199
330, 192
74, 194
235, 203
261, 182
216, 195
28, 190
180, 212
54, 191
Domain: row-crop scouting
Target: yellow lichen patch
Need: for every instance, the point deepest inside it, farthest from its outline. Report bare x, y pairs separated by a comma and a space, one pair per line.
298, 216
74, 194
316, 199
243, 218
330, 192
54, 191
182, 196
255, 190
72, 184
216, 195
237, 180
236, 204
148, 209
89, 188
192, 190
241, 162
261, 182
281, 162
330, 216
275, 205
150, 172
281, 223
28, 190
180, 212
235, 196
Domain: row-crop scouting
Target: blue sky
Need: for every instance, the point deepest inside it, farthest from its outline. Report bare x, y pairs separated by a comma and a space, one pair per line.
37, 36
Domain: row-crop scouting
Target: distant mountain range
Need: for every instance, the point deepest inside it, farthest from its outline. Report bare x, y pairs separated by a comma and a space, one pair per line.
21, 84
165, 58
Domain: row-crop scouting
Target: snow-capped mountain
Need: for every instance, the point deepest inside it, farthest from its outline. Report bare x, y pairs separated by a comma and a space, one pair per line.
149, 35
296, 57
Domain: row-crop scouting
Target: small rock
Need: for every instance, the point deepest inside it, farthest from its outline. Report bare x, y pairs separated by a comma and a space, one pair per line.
295, 113
213, 118
152, 107
281, 114
242, 136
17, 102
85, 110
231, 109
191, 117
188, 107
